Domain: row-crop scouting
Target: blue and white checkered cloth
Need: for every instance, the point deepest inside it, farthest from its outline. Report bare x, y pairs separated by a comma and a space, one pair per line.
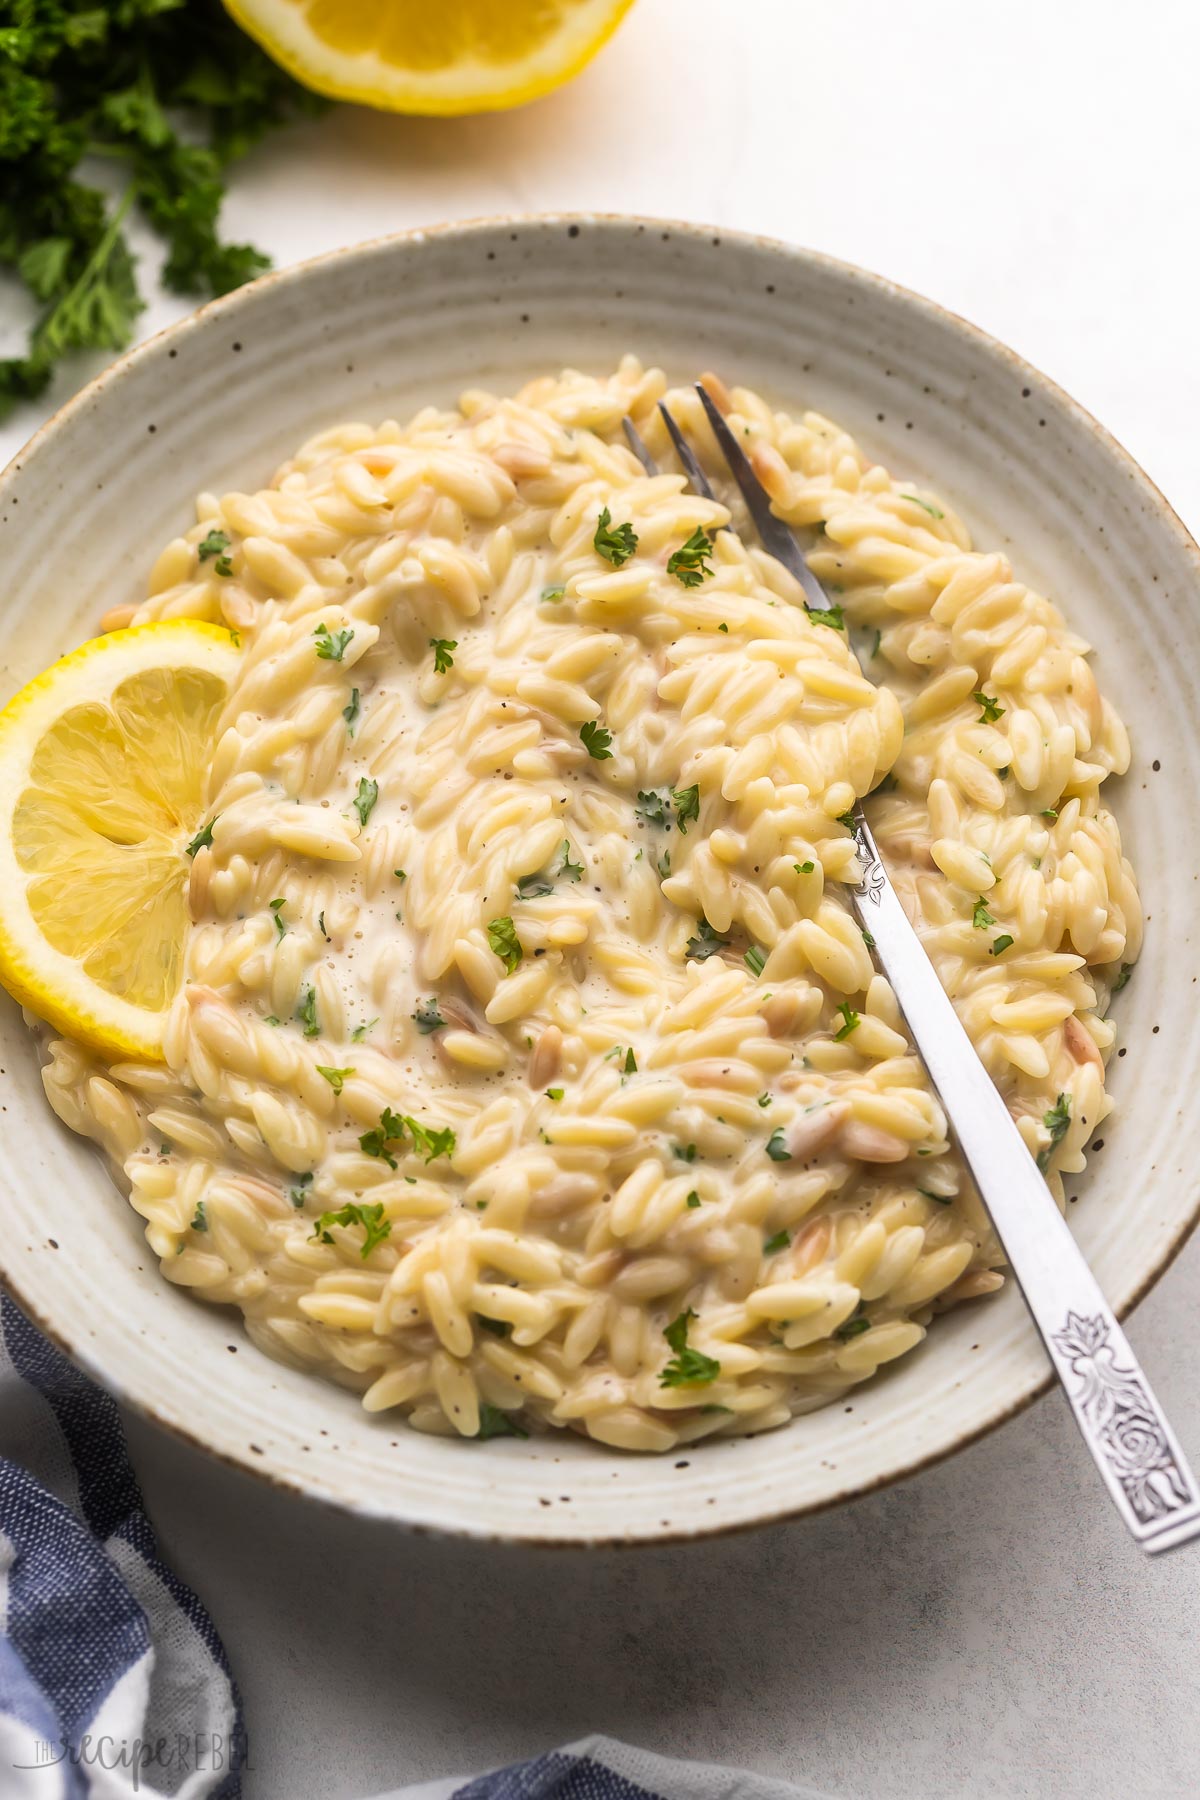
113, 1681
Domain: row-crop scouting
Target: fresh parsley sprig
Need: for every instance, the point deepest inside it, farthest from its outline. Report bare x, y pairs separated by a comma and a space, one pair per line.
688, 1367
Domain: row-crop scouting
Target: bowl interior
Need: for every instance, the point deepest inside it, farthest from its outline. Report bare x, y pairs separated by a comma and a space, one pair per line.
216, 403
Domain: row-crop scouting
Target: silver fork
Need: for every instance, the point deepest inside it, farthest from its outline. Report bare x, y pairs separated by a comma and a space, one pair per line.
1122, 1423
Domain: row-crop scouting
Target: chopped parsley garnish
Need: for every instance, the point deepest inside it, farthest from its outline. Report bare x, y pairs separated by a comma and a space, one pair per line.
1049, 812
306, 1012
533, 887
828, 615
554, 1093
935, 512
685, 1152
595, 740
497, 1327
654, 806
428, 1141
687, 805
199, 1218
493, 1424
1001, 944
503, 939
215, 544
552, 593
375, 1227
852, 1328
630, 1063
693, 1199
981, 918
990, 710
297, 1194
707, 942
938, 1199
277, 907
350, 713
331, 645
364, 800
271, 1020
688, 1367
1056, 1121
777, 1150
764, 1100
443, 654
203, 838
321, 927
850, 1022
335, 1077
400, 874
804, 868
663, 865
876, 644
570, 871
615, 543
780, 1241
848, 820
689, 564
1122, 978
427, 1016
756, 960
360, 1031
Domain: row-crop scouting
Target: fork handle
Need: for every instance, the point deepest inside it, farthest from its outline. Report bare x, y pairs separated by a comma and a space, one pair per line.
1122, 1423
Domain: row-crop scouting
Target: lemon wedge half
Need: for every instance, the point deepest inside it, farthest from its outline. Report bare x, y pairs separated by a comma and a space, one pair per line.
431, 56
104, 765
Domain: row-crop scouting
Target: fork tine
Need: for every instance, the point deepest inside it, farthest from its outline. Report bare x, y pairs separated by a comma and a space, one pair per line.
633, 438
686, 455
776, 537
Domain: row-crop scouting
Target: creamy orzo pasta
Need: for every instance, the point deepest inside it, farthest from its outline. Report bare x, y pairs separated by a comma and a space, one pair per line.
530, 1068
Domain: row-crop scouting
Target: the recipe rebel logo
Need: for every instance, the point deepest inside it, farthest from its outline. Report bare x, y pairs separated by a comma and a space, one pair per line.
147, 1760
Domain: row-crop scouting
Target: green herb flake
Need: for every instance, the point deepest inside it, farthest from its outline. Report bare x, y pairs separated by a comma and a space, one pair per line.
653, 805
693, 1200
848, 820
203, 838
336, 1078
850, 1022
443, 654
630, 1063
776, 1148
350, 713
688, 1367
199, 1220
365, 798
828, 615
851, 1329
775, 1244
298, 1195
981, 918
360, 1031
494, 1423
685, 1152
321, 926
307, 1013
990, 710
690, 563
503, 940
687, 806
707, 942
804, 868
938, 1199
1057, 1122
935, 512
764, 1100
867, 939
615, 543
1050, 813
551, 594
596, 740
331, 645
375, 1227
427, 1016
215, 544
1123, 978
876, 644
497, 1327
756, 960
534, 887
1001, 944
570, 871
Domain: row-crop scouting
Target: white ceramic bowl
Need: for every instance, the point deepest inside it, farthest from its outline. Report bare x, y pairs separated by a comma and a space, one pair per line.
220, 399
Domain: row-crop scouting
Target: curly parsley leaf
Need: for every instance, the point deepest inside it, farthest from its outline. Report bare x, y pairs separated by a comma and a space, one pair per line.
503, 940
375, 1226
981, 918
570, 871
364, 800
690, 563
615, 543
331, 645
203, 838
427, 1017
443, 654
776, 1147
494, 1423
654, 806
687, 806
707, 942
688, 1367
828, 615
989, 710
596, 740
1057, 1122
534, 887
337, 1078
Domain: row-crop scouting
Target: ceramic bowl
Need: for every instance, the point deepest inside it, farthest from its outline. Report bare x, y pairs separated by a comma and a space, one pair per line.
217, 402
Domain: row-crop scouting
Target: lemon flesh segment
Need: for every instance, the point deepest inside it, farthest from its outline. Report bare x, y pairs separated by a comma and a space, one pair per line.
103, 771
448, 56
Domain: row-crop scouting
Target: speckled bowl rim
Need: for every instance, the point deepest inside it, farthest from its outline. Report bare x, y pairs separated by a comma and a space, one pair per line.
227, 307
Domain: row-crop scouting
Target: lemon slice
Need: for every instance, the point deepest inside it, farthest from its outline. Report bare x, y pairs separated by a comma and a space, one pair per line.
104, 763
431, 56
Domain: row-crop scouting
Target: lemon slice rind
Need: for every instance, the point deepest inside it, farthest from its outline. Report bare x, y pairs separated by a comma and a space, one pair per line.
50, 982
463, 86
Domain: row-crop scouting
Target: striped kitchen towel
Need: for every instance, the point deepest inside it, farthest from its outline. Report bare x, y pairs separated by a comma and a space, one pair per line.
113, 1681
600, 1768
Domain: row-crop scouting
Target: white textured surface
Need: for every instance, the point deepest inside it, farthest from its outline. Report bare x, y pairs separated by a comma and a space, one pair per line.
984, 1630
